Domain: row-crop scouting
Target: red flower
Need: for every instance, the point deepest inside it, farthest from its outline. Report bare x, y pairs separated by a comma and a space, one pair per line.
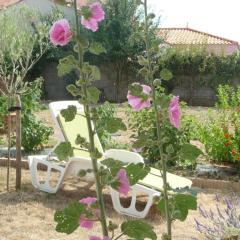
234, 151
226, 135
228, 143
238, 158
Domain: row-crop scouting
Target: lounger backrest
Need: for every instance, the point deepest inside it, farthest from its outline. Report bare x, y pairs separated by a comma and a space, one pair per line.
70, 130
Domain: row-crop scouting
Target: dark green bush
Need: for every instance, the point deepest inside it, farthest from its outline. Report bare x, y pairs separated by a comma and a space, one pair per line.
196, 63
34, 133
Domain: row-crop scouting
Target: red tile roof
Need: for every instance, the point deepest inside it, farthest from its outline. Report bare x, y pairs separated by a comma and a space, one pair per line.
6, 3
190, 36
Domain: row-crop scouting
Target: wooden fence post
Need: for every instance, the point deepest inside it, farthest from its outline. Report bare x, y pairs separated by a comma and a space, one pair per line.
9, 123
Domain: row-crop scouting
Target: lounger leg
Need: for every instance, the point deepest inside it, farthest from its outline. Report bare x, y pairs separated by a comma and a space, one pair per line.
131, 210
33, 163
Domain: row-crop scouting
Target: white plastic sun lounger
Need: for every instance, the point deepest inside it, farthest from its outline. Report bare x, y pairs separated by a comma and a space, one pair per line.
151, 185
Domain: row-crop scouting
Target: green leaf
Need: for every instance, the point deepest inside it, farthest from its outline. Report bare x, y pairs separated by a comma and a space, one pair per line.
74, 90
93, 94
166, 75
179, 206
163, 101
189, 152
82, 142
84, 43
64, 150
142, 61
115, 124
68, 218
91, 71
66, 65
138, 230
136, 90
96, 75
69, 113
113, 165
143, 72
137, 172
183, 203
97, 48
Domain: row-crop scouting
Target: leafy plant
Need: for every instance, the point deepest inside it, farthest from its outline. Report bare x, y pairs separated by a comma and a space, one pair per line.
142, 124
194, 67
220, 136
228, 97
116, 174
34, 133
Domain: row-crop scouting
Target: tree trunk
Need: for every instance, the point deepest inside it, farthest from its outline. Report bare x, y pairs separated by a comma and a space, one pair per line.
18, 144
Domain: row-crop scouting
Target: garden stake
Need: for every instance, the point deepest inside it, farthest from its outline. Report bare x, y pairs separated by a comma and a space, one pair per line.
91, 135
18, 144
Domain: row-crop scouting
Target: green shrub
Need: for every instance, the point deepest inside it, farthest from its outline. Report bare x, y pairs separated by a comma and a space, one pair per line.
143, 124
221, 136
228, 97
34, 133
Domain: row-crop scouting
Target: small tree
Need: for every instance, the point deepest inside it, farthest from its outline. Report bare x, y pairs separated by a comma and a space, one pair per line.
119, 35
23, 41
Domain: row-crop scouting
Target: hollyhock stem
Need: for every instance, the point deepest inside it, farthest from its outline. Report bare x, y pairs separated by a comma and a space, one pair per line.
164, 165
91, 136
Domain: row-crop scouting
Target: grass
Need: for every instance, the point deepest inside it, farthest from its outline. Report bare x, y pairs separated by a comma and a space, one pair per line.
28, 214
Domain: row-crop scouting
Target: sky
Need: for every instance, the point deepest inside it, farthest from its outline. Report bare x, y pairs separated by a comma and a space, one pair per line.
218, 17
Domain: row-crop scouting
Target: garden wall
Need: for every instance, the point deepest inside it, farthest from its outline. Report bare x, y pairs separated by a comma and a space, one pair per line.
55, 87
195, 90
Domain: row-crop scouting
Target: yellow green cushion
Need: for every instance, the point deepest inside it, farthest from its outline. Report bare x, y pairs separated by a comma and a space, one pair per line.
79, 126
71, 129
154, 180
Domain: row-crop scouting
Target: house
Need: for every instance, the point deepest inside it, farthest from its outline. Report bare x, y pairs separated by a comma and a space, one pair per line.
6, 3
187, 37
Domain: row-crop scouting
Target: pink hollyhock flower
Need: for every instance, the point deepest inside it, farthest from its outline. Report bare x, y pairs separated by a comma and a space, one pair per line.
138, 103
60, 33
174, 112
85, 222
124, 186
98, 238
96, 15
88, 200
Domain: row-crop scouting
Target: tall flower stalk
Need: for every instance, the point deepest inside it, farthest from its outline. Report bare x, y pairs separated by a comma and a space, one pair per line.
90, 130
156, 108
112, 172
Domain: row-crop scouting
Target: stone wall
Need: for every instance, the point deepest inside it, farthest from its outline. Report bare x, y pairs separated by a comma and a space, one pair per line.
194, 94
55, 87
